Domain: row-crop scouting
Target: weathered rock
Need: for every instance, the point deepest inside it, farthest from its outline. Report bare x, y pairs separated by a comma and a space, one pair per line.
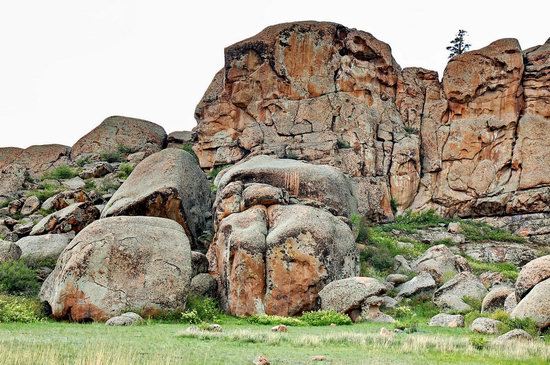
510, 302
492, 278
44, 247
402, 266
486, 326
117, 263
167, 184
536, 80
179, 138
23, 228
9, 251
12, 179
535, 227
320, 185
512, 336
125, 319
64, 199
535, 305
515, 253
370, 310
32, 203
279, 328
347, 294
495, 299
447, 320
281, 271
74, 184
96, 170
199, 263
397, 278
440, 262
451, 295
531, 274
422, 283
454, 227
204, 285
115, 132
72, 218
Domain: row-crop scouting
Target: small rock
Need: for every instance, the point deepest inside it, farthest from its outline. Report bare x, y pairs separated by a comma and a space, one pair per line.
510, 303
495, 299
214, 328
74, 184
447, 320
280, 328
204, 285
23, 229
454, 227
402, 265
261, 360
397, 278
423, 282
485, 325
490, 279
125, 319
384, 332
31, 205
9, 251
513, 335
318, 358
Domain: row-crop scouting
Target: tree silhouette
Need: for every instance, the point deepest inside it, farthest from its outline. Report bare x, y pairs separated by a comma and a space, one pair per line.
459, 45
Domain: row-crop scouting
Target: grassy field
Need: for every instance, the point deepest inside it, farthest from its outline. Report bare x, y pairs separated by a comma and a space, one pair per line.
240, 343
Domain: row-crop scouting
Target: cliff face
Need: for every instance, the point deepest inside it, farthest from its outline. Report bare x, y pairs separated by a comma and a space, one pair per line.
474, 144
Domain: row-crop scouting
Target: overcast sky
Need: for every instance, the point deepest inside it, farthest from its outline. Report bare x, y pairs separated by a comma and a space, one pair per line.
67, 65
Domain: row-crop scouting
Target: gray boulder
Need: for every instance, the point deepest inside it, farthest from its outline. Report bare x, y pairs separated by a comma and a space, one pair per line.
536, 305
72, 218
44, 247
441, 263
204, 285
125, 319
118, 263
9, 251
447, 320
531, 274
421, 283
513, 336
167, 184
348, 294
451, 295
397, 279
486, 326
74, 184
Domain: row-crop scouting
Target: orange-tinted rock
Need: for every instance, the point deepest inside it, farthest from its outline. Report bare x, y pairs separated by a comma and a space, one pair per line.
536, 80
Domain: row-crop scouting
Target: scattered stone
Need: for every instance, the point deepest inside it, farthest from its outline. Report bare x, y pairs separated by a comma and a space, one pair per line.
204, 285
486, 326
451, 295
439, 261
214, 328
402, 266
513, 335
23, 228
146, 259
318, 358
397, 279
454, 227
422, 283
510, 303
495, 299
72, 218
261, 360
64, 199
384, 332
279, 328
32, 203
125, 319
370, 311
490, 279
9, 251
44, 247
447, 320
74, 184
96, 170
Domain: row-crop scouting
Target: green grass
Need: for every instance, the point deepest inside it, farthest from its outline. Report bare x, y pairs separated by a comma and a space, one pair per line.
44, 192
214, 171
60, 173
240, 343
124, 170
508, 270
188, 147
478, 231
17, 278
314, 318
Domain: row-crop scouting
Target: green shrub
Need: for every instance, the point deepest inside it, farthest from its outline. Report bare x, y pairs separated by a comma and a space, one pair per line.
500, 315
18, 309
359, 225
44, 192
17, 278
478, 342
124, 170
407, 325
526, 324
214, 171
264, 319
188, 147
342, 144
472, 316
393, 205
60, 173
507, 269
82, 161
89, 185
325, 318
478, 231
474, 303
111, 156
201, 309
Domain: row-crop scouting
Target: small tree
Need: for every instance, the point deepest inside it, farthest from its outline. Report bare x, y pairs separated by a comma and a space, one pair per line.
458, 45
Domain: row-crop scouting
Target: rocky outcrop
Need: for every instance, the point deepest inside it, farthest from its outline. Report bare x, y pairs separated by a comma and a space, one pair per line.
118, 263
532, 274
121, 133
72, 218
327, 94
9, 251
536, 305
440, 263
348, 294
452, 294
166, 184
447, 320
275, 247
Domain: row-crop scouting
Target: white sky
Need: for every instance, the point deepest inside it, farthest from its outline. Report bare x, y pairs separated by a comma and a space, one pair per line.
67, 65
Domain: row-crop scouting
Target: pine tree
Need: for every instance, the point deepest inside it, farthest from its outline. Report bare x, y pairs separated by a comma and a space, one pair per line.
458, 45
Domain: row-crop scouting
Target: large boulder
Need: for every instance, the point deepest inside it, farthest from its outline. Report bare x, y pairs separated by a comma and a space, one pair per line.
72, 218
117, 263
495, 299
280, 270
535, 305
346, 295
166, 184
118, 132
46, 247
323, 185
440, 262
531, 274
451, 295
421, 284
